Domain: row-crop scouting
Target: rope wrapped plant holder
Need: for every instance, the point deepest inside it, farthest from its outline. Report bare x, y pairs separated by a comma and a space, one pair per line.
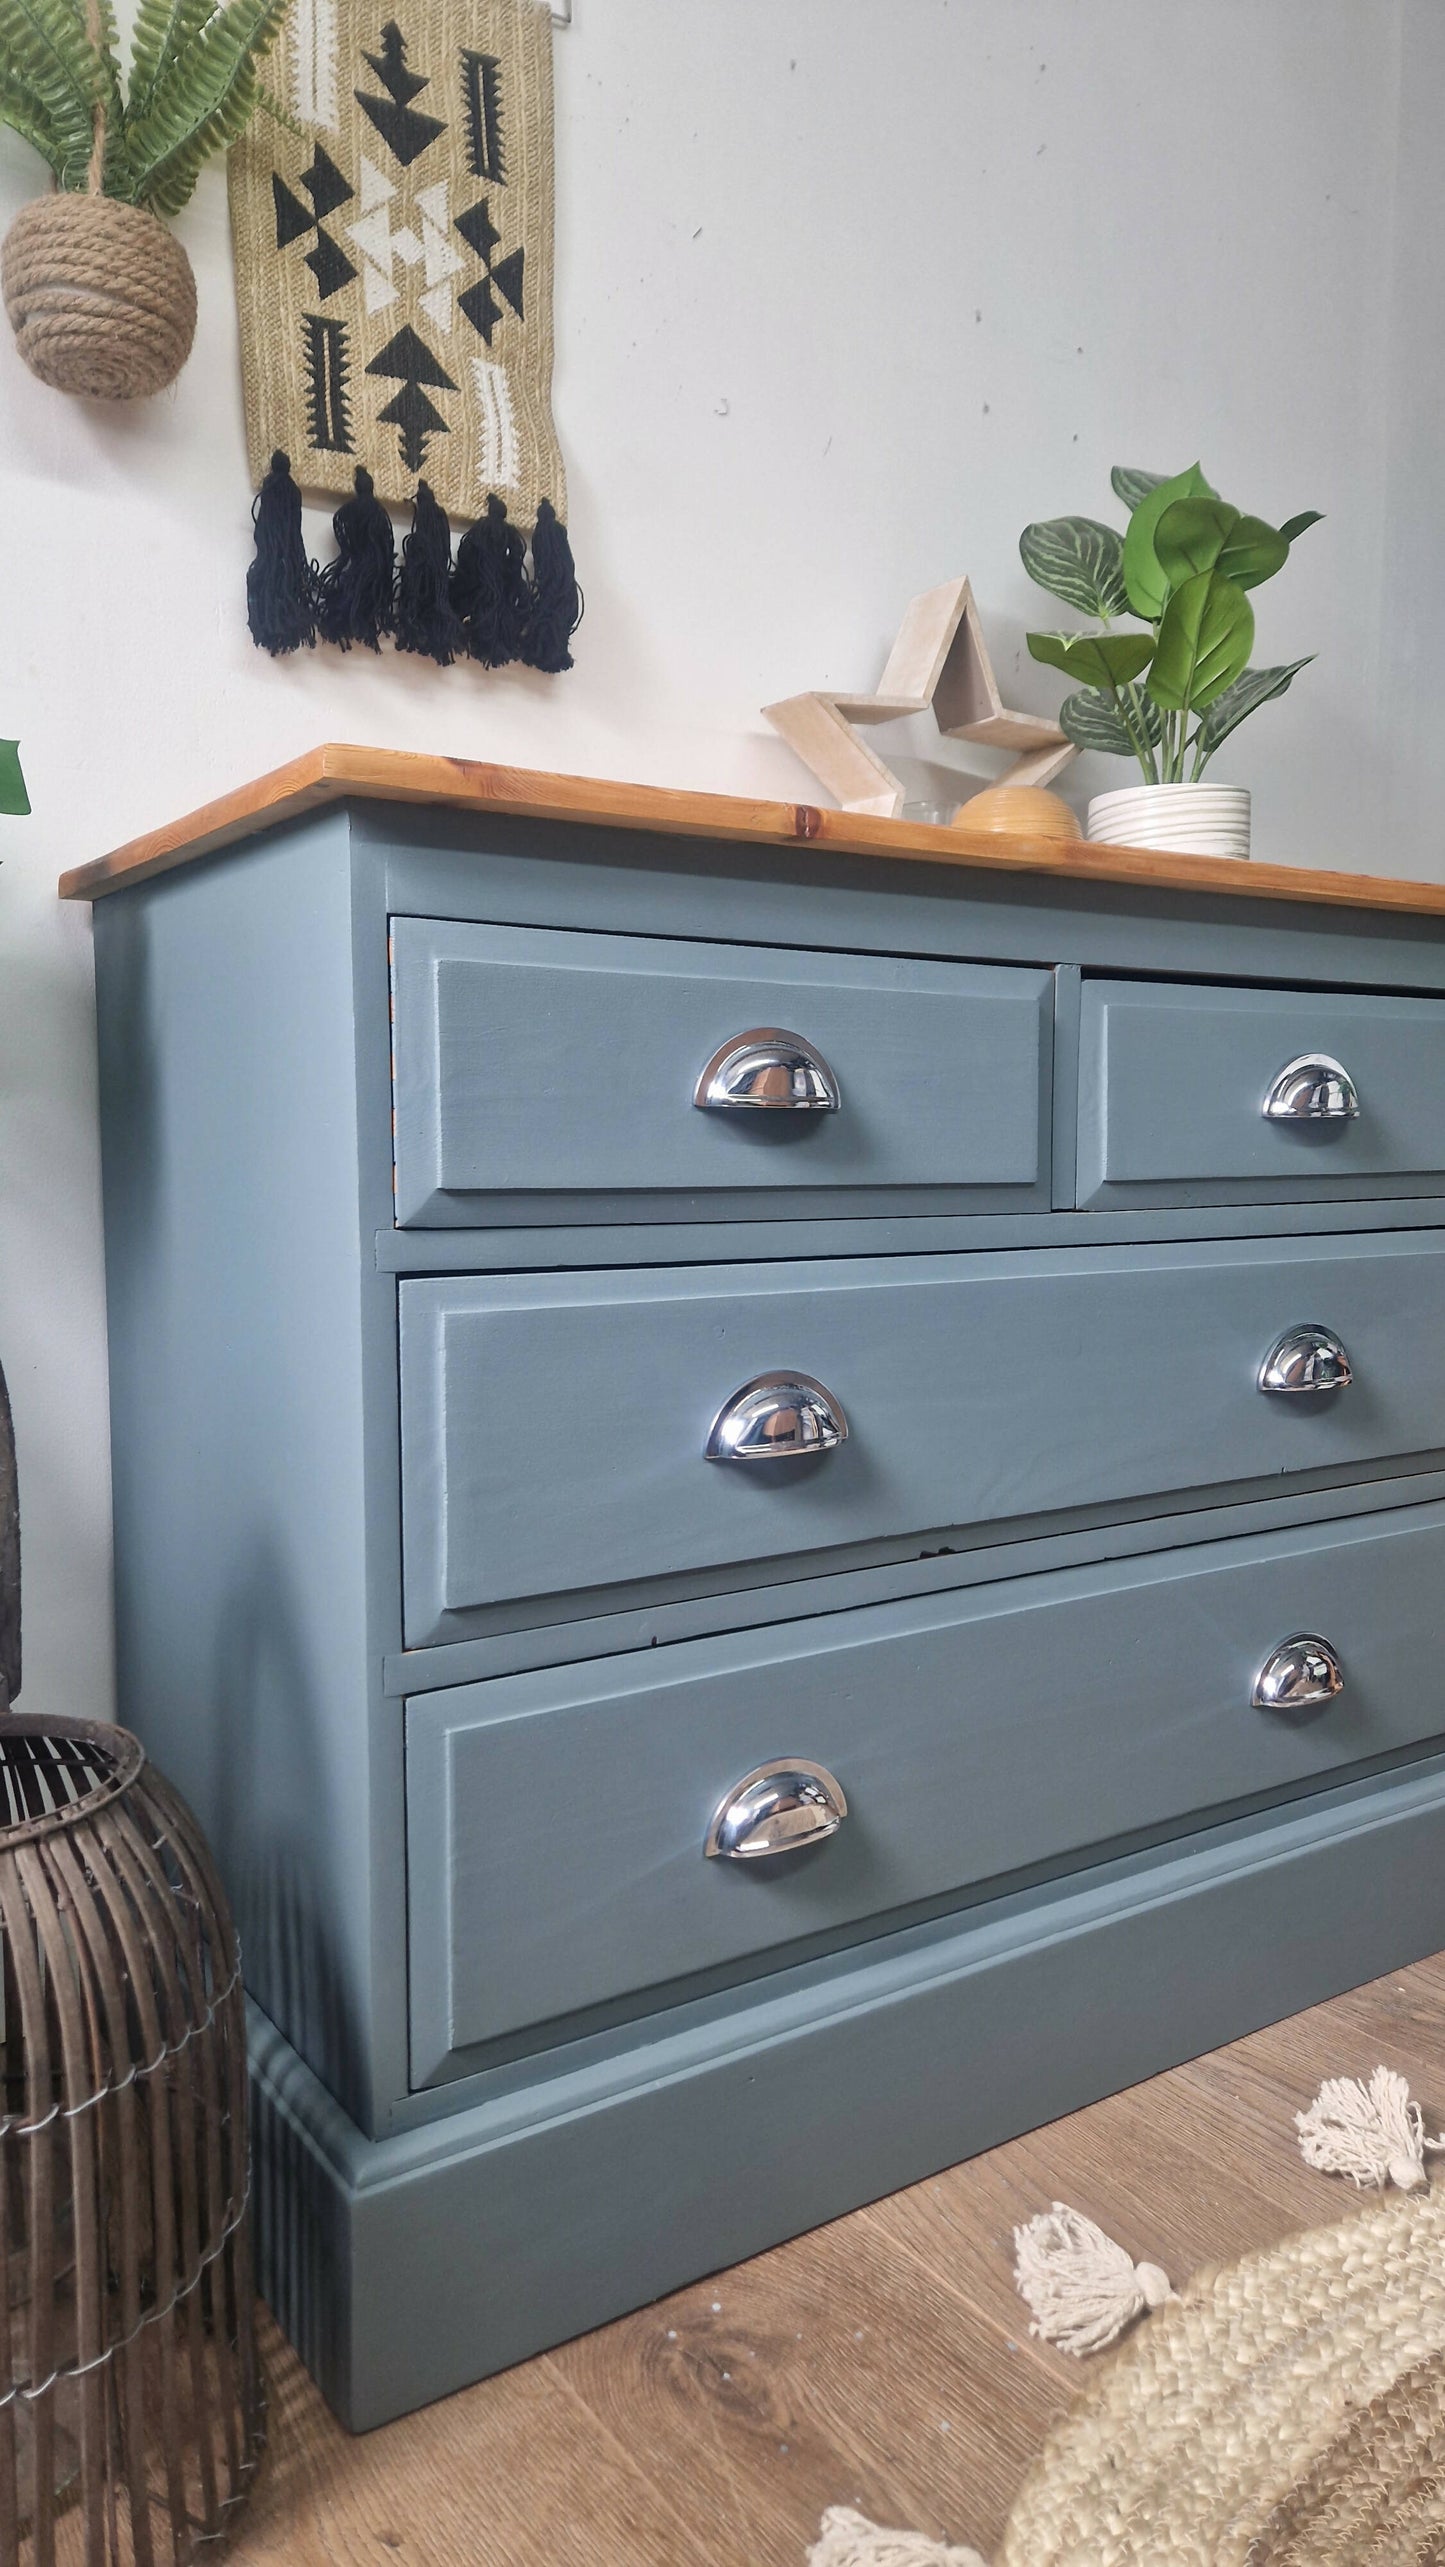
129, 2390
101, 296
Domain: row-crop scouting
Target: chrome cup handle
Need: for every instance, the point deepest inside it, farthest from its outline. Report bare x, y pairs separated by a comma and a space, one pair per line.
1314, 1088
770, 1072
775, 1809
1306, 1359
1299, 1675
774, 1418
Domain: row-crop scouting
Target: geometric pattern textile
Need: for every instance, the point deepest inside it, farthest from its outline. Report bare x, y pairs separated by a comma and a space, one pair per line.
394, 255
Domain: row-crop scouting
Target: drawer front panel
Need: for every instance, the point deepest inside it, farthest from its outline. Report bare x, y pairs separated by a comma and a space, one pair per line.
1173, 1080
553, 1426
533, 1064
557, 1821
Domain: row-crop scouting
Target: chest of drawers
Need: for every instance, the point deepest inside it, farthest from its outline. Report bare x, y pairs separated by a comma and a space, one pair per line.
779, 1487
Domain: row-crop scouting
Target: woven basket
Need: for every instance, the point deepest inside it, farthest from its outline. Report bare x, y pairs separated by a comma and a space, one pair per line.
100, 296
129, 2394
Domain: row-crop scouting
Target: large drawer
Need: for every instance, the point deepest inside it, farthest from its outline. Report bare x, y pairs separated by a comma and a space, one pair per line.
534, 1067
556, 1822
1174, 1079
553, 1426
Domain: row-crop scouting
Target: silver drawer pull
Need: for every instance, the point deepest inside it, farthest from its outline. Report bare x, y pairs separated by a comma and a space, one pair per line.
774, 1809
770, 1072
775, 1417
1312, 1089
1305, 1359
1298, 1676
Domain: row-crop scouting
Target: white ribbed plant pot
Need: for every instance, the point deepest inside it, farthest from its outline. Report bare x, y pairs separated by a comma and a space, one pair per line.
1184, 819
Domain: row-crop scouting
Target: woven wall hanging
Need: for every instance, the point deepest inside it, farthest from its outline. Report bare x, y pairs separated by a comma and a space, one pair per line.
394, 257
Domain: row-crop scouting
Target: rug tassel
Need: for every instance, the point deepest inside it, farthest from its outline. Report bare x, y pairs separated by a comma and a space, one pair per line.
847, 2540
1082, 2288
1372, 2133
354, 593
425, 618
280, 583
556, 597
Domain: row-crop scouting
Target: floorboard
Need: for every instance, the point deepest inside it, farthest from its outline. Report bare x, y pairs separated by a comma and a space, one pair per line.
883, 2361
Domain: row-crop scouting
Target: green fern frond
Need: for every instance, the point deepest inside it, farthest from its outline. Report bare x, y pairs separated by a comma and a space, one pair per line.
46, 39
22, 111
268, 104
193, 88
164, 31
203, 102
47, 54
174, 182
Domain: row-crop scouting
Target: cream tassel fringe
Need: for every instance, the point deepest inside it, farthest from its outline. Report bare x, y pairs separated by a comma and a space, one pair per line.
1373, 2133
1083, 2289
848, 2541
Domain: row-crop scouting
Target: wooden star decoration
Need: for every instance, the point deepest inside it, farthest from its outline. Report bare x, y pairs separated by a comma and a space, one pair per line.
940, 662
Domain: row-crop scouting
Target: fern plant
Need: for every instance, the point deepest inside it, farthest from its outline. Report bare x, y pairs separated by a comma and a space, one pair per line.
192, 89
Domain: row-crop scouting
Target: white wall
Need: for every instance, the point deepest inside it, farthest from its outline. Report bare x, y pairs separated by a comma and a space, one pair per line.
848, 291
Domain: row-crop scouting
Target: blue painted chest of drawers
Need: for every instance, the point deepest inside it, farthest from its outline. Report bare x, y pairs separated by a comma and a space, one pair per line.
784, 1508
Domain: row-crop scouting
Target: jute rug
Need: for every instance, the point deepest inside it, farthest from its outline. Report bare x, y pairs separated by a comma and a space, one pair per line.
1285, 2411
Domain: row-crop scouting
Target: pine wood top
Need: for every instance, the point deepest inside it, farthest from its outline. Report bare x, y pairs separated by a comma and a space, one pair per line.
336, 773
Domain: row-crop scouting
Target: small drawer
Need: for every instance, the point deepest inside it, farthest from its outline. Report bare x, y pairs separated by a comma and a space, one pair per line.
1191, 1095
538, 1073
557, 1822
555, 1428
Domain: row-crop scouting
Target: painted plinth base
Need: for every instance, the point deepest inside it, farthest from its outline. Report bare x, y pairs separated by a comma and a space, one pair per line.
404, 2267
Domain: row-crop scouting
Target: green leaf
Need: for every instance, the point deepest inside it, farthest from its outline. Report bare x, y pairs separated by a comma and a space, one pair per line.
1254, 687
1204, 643
50, 62
268, 104
164, 29
1096, 659
14, 800
25, 116
1144, 576
1191, 535
1300, 525
1092, 722
1079, 560
1253, 552
1131, 485
203, 101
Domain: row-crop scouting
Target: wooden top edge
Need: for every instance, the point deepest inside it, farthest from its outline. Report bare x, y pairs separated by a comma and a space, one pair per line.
336, 773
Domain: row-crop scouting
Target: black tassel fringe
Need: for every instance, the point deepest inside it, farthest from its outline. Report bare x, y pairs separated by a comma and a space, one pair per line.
426, 620
281, 582
355, 594
490, 589
487, 606
556, 597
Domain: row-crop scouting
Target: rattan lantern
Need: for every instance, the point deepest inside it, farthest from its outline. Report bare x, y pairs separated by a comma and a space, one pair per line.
130, 2407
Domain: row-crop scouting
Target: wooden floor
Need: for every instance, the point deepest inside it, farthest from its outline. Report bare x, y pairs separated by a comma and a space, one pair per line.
881, 2362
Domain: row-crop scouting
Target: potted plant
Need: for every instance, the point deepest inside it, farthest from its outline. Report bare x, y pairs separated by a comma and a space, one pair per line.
1171, 693
100, 295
